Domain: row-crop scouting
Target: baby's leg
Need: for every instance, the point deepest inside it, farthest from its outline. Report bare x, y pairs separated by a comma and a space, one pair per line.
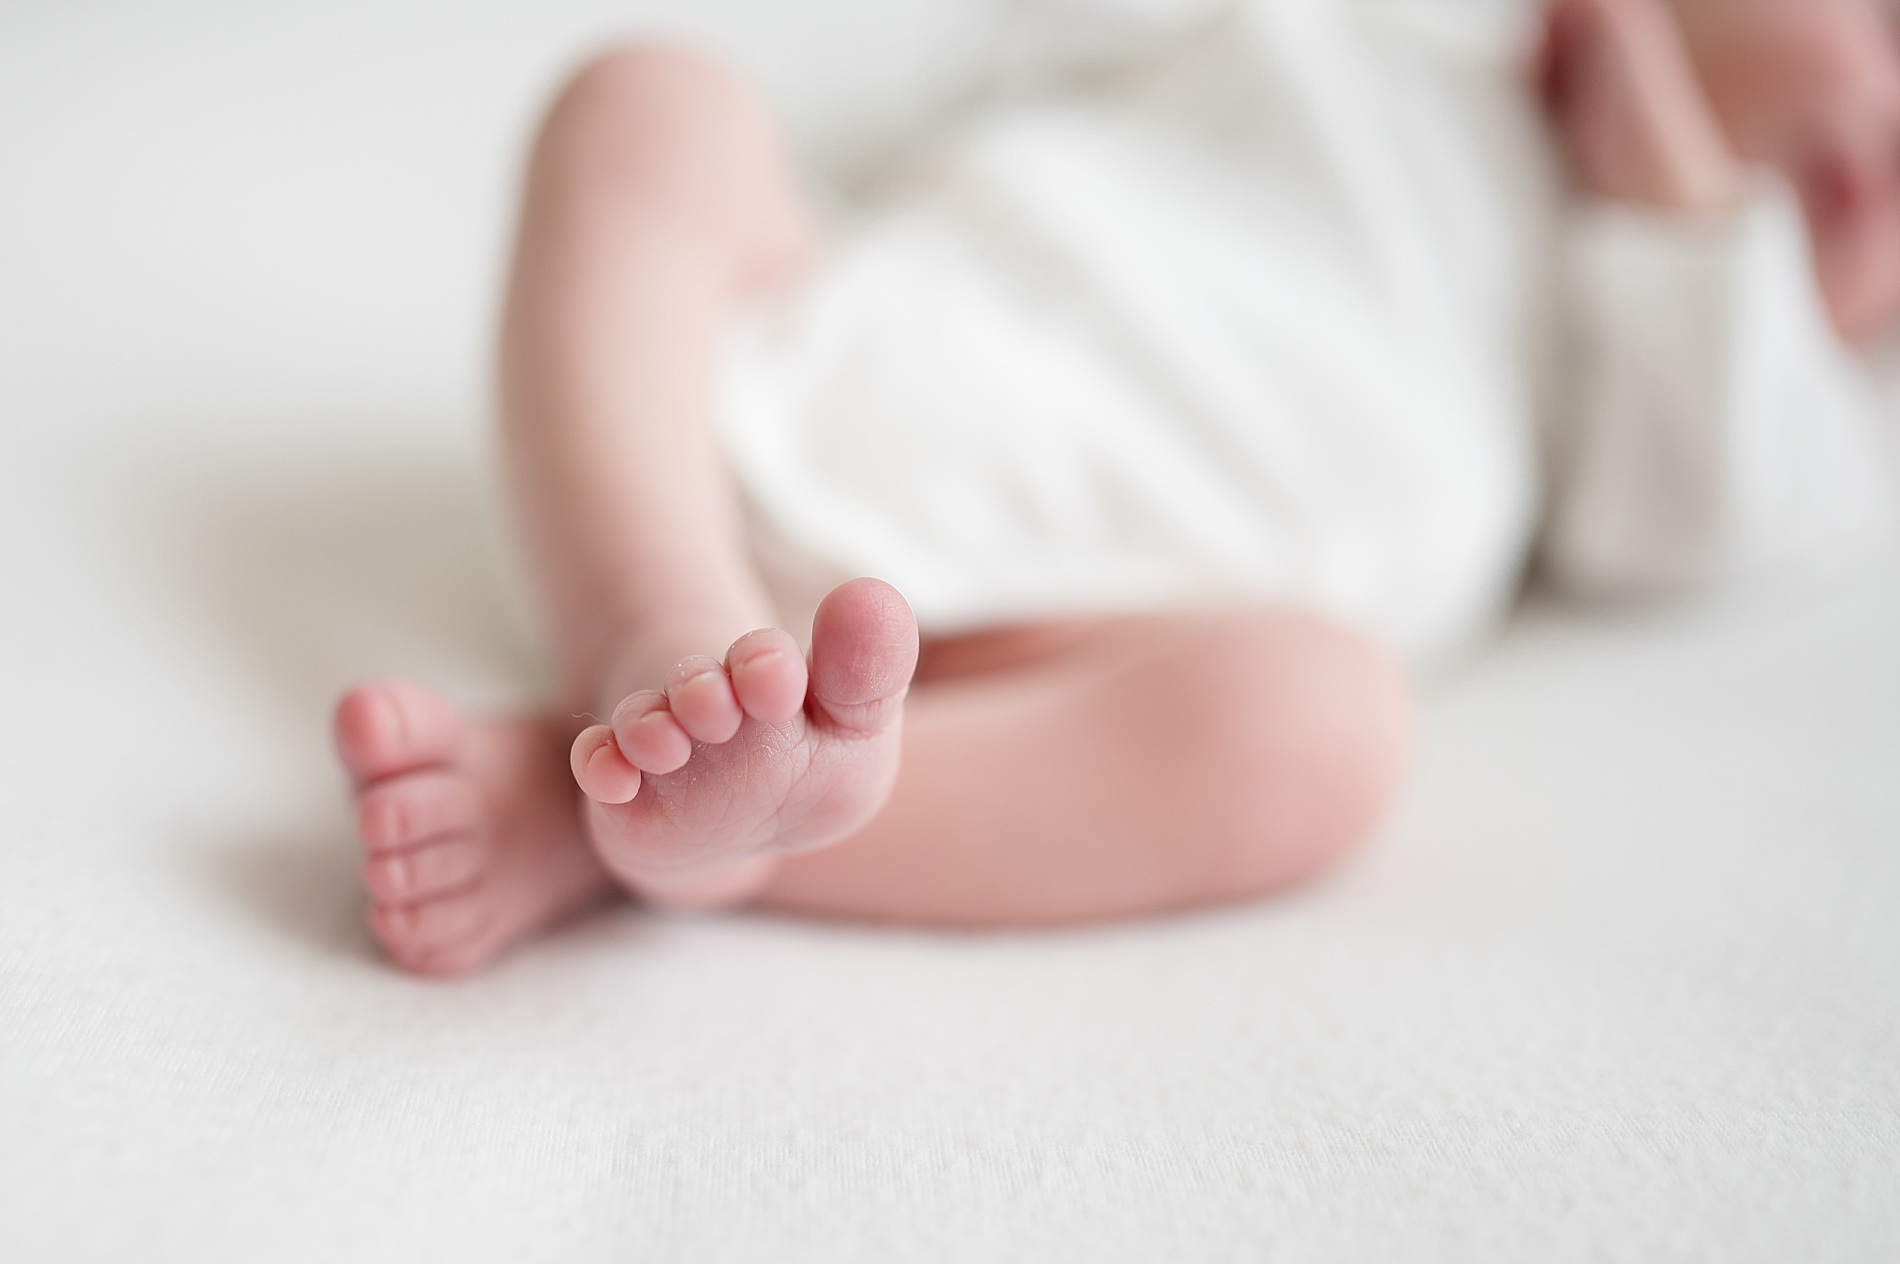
656, 196
1050, 774
1120, 767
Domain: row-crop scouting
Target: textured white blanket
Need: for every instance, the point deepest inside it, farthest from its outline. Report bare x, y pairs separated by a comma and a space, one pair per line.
1622, 982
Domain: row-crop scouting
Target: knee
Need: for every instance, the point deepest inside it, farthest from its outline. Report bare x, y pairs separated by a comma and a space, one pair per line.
648, 114
1293, 734
670, 135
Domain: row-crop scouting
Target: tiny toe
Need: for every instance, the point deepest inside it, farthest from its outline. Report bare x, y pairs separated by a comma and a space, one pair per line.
386, 727
768, 675
648, 736
457, 959
414, 932
699, 694
404, 811
863, 653
424, 872
601, 771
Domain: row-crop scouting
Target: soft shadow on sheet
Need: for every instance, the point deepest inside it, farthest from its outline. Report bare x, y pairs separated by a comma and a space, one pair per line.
373, 560
302, 887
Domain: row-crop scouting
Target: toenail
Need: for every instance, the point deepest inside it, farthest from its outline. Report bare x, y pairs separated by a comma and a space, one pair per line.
593, 760
389, 719
639, 705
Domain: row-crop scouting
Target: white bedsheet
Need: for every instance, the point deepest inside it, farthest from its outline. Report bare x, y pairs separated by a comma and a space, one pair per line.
1622, 982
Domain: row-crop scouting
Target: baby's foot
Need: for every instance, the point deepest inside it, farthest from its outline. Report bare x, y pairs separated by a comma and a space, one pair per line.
471, 826
694, 792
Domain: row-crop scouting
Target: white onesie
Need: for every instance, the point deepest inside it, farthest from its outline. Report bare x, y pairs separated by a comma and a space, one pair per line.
1279, 300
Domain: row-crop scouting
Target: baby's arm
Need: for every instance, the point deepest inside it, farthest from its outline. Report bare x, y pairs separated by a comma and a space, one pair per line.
1633, 121
1706, 419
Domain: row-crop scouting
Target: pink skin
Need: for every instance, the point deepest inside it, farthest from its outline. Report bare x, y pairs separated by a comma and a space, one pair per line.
1663, 103
1034, 775
468, 826
1051, 774
1617, 79
1812, 88
754, 758
471, 831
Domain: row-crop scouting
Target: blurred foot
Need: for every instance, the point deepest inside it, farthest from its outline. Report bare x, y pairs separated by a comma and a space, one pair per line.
471, 827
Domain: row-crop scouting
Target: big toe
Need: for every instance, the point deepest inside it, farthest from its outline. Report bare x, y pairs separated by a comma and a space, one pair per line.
386, 727
863, 652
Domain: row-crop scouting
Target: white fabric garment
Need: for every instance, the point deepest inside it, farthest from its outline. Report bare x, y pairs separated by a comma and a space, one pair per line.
1279, 300
1716, 424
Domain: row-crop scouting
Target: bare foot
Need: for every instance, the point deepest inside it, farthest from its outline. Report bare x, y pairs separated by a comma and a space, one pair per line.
471, 826
696, 791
